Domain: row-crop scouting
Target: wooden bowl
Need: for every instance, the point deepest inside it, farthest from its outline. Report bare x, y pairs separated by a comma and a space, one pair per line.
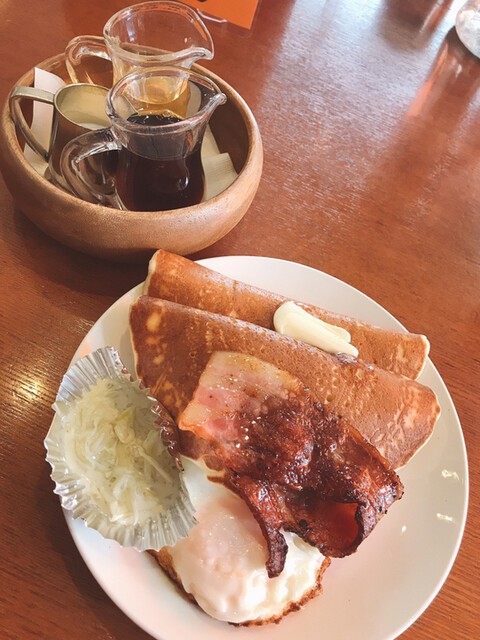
133, 235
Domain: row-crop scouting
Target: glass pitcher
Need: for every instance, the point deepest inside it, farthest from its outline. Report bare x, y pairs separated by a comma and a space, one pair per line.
156, 164
467, 25
142, 36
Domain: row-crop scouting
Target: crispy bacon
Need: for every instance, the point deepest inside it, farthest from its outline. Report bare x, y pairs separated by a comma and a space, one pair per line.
297, 467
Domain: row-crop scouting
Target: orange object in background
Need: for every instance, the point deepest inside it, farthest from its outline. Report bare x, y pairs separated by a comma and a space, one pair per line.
240, 13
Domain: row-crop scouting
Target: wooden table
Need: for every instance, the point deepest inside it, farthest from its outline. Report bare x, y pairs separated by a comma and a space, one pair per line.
369, 112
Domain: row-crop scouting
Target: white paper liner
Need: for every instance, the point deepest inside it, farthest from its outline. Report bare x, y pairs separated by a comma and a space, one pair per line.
157, 531
218, 167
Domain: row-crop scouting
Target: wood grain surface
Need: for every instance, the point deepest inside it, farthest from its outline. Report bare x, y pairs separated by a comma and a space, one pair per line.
369, 112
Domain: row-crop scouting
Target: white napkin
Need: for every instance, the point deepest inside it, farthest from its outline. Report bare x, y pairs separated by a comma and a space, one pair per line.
218, 167
219, 171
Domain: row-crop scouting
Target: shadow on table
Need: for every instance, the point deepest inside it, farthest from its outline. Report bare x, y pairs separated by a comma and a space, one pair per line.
410, 24
434, 131
67, 267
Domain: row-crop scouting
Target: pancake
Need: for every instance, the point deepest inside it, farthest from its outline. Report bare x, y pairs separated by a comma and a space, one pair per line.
175, 278
173, 344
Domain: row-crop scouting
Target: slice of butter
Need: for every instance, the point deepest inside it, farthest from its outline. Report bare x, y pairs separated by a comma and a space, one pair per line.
293, 321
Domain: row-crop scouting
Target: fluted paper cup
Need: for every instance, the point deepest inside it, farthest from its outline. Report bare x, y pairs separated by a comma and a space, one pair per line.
109, 463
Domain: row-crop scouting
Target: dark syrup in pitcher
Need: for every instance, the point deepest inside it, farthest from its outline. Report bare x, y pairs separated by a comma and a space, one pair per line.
146, 184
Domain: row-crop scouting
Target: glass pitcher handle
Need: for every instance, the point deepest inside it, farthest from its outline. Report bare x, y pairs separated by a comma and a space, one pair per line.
101, 189
79, 47
30, 93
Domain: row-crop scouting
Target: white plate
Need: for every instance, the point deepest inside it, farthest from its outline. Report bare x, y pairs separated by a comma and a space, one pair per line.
374, 594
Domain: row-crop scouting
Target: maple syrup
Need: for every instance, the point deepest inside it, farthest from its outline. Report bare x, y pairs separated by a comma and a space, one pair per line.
163, 183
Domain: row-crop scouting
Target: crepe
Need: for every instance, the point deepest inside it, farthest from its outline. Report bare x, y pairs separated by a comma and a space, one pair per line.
172, 277
173, 344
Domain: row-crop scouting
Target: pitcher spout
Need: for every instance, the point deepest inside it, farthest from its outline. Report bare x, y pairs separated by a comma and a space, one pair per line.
199, 39
215, 101
188, 57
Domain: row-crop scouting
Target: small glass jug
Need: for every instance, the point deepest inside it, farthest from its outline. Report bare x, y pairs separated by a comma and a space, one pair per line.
467, 24
156, 164
145, 35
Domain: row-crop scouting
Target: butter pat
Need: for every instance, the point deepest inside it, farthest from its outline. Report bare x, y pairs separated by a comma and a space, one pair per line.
293, 321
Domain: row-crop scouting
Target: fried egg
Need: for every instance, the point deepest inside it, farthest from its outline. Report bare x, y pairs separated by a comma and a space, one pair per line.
222, 561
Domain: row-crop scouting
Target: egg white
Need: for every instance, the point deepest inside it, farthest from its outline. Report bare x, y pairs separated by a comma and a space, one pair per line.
222, 561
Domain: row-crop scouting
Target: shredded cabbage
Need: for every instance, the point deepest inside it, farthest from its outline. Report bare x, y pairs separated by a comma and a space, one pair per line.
120, 456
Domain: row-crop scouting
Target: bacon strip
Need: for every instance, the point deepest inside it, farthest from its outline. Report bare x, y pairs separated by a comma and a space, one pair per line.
297, 467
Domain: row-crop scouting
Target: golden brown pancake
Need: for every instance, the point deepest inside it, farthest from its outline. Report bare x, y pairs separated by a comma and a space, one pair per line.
172, 277
173, 343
